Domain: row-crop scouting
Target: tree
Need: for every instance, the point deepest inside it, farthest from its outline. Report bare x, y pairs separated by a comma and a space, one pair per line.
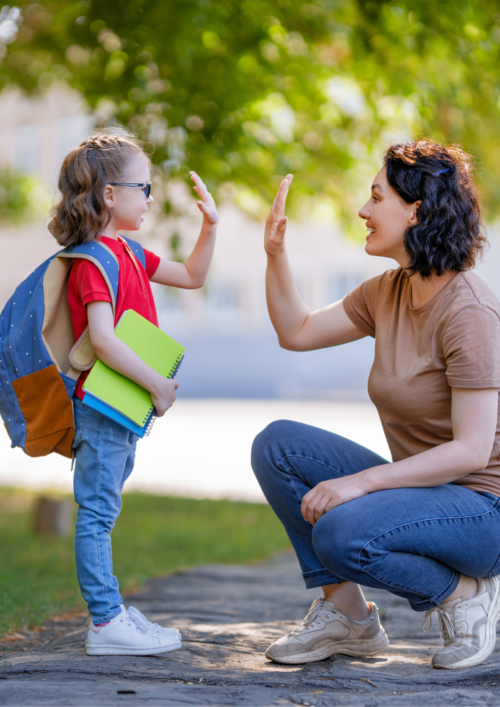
245, 91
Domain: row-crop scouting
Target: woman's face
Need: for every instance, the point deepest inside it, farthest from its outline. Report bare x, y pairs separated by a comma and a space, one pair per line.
387, 218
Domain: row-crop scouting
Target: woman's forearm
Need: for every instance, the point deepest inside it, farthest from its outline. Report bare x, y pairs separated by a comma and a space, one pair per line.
440, 465
287, 311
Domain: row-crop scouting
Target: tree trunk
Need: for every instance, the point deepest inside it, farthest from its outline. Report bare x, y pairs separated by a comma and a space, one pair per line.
52, 516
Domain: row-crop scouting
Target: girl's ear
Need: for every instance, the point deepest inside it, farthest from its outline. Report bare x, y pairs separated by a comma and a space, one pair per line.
413, 220
109, 196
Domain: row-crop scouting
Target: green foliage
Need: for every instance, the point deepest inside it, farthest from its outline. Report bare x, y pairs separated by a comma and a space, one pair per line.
175, 246
245, 91
18, 196
154, 535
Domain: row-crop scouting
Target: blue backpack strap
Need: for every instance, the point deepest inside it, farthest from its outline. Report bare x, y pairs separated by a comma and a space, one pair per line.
137, 250
103, 258
82, 356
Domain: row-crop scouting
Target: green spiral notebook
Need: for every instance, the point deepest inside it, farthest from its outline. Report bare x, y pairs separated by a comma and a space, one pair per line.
125, 399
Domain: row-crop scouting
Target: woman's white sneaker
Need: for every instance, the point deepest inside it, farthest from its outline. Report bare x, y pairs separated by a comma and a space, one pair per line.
468, 627
130, 633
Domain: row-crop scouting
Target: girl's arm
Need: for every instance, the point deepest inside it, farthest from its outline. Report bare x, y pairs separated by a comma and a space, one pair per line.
298, 329
474, 415
116, 354
193, 273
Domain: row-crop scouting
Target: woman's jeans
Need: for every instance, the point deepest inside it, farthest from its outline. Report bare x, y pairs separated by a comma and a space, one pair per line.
105, 454
413, 542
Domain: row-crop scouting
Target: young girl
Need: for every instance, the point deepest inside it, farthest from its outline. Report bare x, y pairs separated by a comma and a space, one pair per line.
105, 188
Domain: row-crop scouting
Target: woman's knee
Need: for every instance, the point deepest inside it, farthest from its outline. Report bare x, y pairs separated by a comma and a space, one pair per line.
269, 445
335, 542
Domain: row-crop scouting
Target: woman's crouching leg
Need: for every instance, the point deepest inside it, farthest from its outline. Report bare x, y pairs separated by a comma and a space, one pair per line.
374, 541
278, 461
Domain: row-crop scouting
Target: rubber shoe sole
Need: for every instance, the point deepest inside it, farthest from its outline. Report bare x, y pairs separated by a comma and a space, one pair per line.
489, 645
358, 648
119, 650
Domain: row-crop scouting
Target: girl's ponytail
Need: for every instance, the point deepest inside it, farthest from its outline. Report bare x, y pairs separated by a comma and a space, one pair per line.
81, 213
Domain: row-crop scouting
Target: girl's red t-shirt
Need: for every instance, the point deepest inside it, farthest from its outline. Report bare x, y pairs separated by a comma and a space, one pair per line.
86, 284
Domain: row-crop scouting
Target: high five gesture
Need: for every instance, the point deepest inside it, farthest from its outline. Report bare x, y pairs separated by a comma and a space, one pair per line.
274, 236
298, 329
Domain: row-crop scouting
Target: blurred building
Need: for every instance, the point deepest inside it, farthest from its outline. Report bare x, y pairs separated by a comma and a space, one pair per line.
36, 133
232, 350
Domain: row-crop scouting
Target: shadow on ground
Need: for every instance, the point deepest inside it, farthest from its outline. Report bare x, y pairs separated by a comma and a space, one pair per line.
228, 615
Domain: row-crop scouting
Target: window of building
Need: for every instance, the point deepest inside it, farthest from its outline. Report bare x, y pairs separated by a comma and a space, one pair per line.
71, 131
339, 285
28, 148
223, 296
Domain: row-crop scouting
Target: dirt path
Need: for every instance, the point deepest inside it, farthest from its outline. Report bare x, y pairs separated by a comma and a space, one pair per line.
228, 615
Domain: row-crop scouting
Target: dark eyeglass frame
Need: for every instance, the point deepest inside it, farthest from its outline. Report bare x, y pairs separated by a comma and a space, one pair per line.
146, 188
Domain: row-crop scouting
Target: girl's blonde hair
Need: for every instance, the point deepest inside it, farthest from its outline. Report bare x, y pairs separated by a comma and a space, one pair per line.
81, 214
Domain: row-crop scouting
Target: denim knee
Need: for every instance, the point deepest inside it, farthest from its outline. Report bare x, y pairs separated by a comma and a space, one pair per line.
268, 446
334, 544
95, 516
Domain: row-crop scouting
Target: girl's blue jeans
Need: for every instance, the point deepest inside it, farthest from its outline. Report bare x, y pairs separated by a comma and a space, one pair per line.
105, 454
413, 542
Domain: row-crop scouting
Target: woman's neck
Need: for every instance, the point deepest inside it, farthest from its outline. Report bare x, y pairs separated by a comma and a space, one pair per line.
422, 291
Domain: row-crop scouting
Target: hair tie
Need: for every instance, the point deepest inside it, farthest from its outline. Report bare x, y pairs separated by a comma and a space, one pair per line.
441, 172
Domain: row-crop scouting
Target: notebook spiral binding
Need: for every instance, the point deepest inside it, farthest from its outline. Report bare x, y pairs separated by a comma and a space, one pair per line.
176, 366
146, 418
172, 373
150, 426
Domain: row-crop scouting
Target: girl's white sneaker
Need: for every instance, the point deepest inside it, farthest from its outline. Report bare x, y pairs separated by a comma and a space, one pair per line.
130, 633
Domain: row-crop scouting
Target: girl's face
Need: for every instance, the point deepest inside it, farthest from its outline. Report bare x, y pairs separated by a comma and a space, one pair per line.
128, 204
387, 218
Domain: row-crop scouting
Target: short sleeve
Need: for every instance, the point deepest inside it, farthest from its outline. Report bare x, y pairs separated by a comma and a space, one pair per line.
360, 304
152, 262
90, 285
471, 348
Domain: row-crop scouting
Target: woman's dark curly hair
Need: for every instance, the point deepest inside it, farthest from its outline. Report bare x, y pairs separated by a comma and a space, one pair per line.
449, 234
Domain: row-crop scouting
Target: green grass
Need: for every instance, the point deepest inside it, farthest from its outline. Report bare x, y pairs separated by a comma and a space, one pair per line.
154, 535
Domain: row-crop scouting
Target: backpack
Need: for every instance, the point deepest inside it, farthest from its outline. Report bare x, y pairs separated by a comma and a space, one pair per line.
40, 361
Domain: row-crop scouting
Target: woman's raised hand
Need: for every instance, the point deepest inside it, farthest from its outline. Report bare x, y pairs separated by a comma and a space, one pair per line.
274, 235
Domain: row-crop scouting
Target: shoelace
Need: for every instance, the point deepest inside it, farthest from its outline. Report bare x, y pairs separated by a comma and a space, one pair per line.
445, 622
312, 615
141, 621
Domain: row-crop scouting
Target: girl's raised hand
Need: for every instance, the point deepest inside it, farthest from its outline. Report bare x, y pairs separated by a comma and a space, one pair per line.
207, 204
274, 234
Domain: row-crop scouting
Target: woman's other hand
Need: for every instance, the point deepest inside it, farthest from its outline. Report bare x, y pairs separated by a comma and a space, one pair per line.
330, 494
274, 234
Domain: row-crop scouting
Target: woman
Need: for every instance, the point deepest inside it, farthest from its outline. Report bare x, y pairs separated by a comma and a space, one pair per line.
425, 527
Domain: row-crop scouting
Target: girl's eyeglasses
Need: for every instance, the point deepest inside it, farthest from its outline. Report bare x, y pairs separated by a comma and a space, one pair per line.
146, 188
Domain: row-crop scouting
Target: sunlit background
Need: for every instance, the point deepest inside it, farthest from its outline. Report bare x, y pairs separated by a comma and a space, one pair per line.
243, 92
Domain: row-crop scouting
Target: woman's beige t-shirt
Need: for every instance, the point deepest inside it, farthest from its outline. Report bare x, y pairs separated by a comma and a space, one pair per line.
453, 341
